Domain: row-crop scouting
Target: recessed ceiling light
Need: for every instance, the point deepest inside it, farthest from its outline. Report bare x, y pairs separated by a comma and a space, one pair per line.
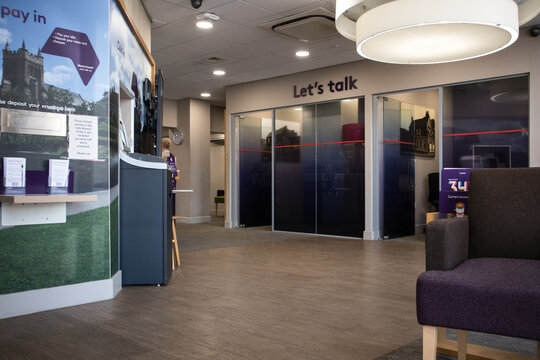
302, 53
205, 94
204, 24
219, 72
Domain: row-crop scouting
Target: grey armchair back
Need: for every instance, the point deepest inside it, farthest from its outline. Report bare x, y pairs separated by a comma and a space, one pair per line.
504, 213
483, 272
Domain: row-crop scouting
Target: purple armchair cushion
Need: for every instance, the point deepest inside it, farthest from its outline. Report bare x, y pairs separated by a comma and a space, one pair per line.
504, 213
492, 295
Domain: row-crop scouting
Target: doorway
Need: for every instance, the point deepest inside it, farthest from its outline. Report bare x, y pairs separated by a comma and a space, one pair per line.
255, 168
410, 128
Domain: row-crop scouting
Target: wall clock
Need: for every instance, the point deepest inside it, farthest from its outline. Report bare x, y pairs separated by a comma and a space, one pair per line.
177, 137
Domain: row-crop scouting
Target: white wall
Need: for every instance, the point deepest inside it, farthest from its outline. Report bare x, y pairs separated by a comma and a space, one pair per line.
140, 18
170, 113
378, 78
193, 160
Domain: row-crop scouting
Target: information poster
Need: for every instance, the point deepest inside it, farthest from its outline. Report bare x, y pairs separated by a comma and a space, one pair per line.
454, 195
83, 137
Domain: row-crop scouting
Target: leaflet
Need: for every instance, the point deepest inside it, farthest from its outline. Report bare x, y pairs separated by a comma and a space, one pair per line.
14, 172
58, 173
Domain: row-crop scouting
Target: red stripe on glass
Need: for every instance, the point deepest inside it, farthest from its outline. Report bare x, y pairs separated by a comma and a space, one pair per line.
488, 132
257, 151
398, 142
326, 143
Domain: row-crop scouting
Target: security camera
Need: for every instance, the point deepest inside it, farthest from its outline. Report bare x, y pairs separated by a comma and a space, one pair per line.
535, 31
196, 3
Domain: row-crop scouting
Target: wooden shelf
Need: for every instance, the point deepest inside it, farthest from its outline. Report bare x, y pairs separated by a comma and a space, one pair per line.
46, 198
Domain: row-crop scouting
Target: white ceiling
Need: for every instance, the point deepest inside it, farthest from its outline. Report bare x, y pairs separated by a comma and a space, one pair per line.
251, 53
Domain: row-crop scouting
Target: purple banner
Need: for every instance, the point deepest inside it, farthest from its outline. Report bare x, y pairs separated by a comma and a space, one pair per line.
454, 195
75, 46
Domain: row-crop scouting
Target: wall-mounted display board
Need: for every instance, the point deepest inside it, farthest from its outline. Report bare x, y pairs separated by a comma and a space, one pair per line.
63, 62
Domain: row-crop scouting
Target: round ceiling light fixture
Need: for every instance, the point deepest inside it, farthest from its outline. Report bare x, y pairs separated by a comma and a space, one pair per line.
204, 24
302, 53
205, 21
431, 31
219, 72
205, 94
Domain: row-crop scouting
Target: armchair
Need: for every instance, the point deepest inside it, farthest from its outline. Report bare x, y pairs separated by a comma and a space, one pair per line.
483, 272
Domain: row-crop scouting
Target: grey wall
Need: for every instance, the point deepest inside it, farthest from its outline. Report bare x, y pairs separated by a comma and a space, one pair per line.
200, 160
217, 119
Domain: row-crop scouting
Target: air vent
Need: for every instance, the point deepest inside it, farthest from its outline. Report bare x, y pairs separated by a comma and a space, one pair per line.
314, 25
213, 60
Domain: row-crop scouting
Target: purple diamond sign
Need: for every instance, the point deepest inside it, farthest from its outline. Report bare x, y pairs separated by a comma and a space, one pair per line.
76, 46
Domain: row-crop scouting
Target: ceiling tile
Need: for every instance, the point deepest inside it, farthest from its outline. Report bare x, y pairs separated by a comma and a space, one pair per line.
235, 53
206, 5
182, 67
163, 60
174, 34
194, 77
312, 5
158, 44
181, 52
275, 43
241, 12
245, 34
279, 5
210, 43
165, 12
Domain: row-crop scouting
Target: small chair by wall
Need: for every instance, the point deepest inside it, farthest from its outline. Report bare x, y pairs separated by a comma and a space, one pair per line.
433, 190
219, 199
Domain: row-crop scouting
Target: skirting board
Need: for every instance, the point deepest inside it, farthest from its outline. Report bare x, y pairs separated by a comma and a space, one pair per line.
32, 301
194, 219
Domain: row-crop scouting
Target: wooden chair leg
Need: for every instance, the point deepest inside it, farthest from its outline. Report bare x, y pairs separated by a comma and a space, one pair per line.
175, 241
462, 344
429, 339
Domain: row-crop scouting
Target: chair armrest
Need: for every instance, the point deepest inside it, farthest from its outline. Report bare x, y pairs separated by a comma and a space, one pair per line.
447, 243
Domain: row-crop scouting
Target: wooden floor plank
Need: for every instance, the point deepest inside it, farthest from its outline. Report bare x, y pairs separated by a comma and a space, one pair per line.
304, 298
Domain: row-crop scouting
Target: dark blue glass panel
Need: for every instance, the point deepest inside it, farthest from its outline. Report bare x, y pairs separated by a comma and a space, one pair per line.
255, 169
294, 180
340, 168
486, 124
399, 171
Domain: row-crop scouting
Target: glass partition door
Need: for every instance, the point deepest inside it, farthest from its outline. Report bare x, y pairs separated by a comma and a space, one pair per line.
319, 168
294, 169
255, 168
399, 168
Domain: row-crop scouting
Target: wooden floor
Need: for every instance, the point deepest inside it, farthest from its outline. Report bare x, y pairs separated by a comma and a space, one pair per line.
306, 298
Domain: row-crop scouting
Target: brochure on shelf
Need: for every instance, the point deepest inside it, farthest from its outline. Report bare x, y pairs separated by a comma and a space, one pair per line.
58, 176
14, 178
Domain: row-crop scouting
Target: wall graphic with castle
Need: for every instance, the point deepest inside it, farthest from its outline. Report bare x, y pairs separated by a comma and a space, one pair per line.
23, 80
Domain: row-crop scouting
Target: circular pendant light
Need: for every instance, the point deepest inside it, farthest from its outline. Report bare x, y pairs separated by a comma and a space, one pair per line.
436, 31
431, 31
